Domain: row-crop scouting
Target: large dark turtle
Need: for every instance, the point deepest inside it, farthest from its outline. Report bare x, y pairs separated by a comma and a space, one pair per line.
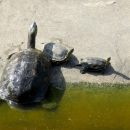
26, 75
93, 64
57, 53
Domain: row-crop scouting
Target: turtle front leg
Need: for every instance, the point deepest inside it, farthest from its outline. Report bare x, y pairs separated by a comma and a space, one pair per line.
83, 69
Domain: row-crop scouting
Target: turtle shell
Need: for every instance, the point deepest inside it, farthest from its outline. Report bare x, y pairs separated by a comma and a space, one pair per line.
94, 63
25, 77
57, 53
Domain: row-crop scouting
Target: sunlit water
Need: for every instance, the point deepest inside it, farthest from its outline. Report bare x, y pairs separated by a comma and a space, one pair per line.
81, 107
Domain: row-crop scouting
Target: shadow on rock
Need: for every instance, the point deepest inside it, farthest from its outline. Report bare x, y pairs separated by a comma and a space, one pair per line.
56, 89
109, 71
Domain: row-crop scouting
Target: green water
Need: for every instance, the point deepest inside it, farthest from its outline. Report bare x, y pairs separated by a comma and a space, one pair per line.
81, 107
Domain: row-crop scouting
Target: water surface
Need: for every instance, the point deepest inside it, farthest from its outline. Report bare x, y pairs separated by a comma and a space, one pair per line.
82, 107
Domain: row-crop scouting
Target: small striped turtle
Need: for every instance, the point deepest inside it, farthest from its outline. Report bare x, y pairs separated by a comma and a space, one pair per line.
93, 64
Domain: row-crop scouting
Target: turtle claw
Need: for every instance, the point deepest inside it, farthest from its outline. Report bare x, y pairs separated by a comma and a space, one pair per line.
82, 71
9, 56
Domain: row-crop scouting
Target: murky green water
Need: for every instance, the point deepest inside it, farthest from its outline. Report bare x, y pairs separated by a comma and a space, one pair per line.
80, 108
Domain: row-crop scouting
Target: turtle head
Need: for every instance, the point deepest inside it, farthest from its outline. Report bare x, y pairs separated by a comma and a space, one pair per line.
108, 60
32, 35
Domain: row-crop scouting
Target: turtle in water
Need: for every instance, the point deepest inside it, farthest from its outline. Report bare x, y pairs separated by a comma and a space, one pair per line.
93, 64
25, 78
57, 53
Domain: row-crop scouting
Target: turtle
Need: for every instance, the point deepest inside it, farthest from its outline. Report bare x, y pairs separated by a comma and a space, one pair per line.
93, 64
25, 78
57, 53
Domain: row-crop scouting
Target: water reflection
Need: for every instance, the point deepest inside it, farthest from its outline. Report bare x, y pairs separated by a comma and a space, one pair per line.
56, 89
